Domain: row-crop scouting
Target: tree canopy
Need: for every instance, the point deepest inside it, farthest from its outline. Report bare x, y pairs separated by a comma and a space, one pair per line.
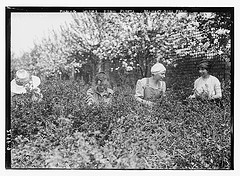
125, 42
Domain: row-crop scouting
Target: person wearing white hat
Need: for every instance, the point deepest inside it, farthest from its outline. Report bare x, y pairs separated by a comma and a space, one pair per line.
25, 83
150, 89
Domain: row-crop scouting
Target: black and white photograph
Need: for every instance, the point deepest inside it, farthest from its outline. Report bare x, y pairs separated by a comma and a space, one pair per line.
119, 88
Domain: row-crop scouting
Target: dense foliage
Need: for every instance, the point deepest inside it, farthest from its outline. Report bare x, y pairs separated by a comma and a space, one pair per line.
63, 132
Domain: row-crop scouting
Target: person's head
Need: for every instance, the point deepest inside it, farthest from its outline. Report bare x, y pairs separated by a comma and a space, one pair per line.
22, 77
204, 68
24, 82
158, 71
101, 81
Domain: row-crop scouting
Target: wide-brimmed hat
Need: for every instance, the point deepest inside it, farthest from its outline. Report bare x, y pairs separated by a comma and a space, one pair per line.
23, 78
157, 68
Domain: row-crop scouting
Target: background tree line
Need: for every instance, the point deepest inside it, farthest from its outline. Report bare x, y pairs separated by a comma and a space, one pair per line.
126, 45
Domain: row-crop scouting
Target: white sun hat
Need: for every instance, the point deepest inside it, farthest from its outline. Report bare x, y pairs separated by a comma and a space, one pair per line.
157, 68
23, 78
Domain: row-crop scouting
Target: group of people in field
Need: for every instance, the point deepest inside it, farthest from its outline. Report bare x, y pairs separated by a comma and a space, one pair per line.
147, 90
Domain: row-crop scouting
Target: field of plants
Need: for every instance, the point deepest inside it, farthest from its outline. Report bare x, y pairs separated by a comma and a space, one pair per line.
63, 132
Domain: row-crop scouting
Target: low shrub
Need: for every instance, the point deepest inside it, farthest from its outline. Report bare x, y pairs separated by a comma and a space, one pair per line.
63, 132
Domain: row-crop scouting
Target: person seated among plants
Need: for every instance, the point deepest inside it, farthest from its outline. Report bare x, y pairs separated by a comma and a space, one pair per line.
150, 89
206, 87
27, 84
100, 93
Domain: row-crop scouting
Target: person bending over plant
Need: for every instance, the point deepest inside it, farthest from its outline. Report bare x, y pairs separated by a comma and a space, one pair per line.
150, 89
206, 87
26, 84
100, 93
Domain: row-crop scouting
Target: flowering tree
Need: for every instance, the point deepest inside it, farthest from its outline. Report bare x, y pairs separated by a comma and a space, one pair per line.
123, 43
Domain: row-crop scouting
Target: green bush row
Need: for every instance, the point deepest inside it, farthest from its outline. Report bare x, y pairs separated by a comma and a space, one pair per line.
63, 132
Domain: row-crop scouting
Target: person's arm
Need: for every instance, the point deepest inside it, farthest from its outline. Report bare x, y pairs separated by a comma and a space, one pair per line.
110, 95
37, 95
12, 94
194, 91
217, 89
90, 97
38, 91
164, 88
139, 94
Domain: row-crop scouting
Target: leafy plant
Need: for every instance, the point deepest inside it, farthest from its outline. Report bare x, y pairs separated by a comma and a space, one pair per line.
63, 132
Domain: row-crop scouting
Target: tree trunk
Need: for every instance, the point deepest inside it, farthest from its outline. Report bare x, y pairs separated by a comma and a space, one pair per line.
107, 67
99, 66
72, 77
146, 63
94, 71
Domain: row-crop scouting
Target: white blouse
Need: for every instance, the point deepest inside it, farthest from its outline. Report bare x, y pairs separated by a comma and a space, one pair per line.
210, 86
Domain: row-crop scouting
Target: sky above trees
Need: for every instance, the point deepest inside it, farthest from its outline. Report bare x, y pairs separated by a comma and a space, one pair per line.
121, 39
27, 28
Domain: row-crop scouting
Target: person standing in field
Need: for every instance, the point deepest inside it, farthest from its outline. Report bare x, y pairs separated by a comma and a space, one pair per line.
24, 83
150, 89
206, 87
100, 93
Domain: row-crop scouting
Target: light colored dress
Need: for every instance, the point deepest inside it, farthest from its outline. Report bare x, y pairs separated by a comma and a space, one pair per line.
207, 88
146, 92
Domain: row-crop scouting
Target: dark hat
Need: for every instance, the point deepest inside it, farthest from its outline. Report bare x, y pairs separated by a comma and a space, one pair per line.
101, 76
205, 64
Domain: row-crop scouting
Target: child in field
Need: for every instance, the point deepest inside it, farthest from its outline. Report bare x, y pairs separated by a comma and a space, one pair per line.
148, 89
206, 87
100, 93
24, 83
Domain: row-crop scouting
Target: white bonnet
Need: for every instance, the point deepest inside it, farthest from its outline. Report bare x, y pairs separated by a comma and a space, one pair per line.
157, 68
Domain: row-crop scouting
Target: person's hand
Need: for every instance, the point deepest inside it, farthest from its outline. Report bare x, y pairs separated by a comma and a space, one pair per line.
191, 97
37, 97
34, 97
90, 103
205, 96
150, 104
